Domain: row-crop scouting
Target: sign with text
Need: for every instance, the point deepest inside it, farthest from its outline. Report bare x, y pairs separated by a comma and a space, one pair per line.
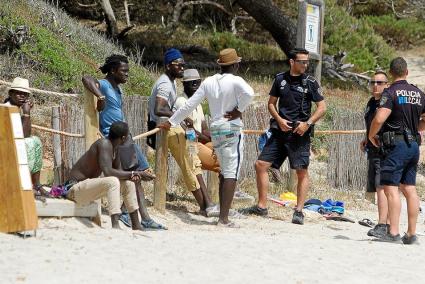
312, 28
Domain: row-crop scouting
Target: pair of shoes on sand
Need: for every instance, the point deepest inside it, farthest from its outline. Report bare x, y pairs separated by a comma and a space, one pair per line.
406, 239
148, 225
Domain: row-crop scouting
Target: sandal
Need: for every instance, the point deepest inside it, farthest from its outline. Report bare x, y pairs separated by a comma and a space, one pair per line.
230, 225
366, 222
151, 225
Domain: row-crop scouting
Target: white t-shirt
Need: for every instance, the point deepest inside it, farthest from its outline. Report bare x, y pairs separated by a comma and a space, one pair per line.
163, 88
197, 115
224, 92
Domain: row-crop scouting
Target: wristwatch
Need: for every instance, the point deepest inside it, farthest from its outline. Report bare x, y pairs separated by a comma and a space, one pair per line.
309, 123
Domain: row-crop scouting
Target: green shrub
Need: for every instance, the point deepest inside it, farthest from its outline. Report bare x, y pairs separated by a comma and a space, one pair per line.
400, 33
365, 48
248, 50
61, 50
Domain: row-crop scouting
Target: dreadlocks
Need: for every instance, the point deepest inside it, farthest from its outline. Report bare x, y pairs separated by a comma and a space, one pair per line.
113, 62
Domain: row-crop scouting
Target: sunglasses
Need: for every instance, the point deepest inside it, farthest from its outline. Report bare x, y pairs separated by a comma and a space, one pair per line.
193, 82
178, 64
379, 83
304, 62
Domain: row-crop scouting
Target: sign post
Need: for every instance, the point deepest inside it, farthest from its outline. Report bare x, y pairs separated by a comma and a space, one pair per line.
310, 31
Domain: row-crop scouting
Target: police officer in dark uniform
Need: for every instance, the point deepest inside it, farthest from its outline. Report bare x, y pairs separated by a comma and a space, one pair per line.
377, 84
289, 104
400, 109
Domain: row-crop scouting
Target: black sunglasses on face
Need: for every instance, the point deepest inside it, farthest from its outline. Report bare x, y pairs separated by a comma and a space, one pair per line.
379, 83
194, 82
304, 62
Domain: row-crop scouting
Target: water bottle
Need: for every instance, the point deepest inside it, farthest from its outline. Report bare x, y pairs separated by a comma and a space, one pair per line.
192, 141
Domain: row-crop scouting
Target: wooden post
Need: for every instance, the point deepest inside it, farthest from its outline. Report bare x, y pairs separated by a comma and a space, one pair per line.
127, 14
161, 168
57, 155
91, 120
91, 128
17, 206
213, 184
292, 180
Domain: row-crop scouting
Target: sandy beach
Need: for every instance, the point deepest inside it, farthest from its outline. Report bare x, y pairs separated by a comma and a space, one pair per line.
193, 250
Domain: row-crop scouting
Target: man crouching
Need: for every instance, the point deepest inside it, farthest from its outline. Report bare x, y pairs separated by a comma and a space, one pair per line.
85, 185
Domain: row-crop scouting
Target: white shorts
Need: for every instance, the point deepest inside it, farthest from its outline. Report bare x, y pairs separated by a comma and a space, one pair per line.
229, 150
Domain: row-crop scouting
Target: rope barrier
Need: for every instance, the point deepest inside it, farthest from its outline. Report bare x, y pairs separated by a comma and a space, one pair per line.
318, 132
38, 91
153, 131
56, 131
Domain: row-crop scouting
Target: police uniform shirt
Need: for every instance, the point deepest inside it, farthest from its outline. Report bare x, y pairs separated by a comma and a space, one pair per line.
407, 104
295, 95
369, 114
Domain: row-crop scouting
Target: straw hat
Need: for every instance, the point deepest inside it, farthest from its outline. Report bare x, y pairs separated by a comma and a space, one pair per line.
228, 56
191, 75
20, 84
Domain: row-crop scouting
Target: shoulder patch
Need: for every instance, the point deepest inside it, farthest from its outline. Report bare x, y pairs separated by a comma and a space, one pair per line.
311, 78
383, 100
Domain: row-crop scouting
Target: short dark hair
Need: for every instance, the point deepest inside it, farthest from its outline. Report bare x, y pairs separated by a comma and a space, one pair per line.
113, 62
118, 129
398, 67
377, 72
294, 52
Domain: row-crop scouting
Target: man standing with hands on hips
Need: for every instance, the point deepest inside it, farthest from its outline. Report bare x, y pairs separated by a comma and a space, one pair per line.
228, 96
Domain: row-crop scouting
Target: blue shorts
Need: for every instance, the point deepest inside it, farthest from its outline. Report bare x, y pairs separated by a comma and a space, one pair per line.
400, 164
282, 145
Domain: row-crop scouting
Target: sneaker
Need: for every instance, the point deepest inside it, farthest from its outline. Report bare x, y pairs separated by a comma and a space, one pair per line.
213, 211
409, 240
378, 231
242, 196
389, 238
254, 210
236, 215
298, 217
125, 218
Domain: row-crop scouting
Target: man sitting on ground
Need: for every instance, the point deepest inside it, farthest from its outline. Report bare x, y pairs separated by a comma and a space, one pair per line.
85, 185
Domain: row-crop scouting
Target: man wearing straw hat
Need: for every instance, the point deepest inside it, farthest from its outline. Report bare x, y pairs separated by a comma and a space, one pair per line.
19, 93
289, 104
228, 96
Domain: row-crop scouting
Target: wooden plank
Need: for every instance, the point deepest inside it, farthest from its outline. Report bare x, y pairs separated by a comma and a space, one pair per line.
54, 207
91, 119
57, 153
17, 210
213, 183
160, 184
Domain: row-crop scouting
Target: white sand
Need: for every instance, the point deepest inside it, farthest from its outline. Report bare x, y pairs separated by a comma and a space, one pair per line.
195, 251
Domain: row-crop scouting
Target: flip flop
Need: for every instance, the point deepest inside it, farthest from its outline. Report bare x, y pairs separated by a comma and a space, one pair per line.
151, 225
366, 222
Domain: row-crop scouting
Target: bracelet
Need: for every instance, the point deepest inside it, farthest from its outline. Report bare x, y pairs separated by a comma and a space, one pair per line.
25, 115
102, 98
132, 174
